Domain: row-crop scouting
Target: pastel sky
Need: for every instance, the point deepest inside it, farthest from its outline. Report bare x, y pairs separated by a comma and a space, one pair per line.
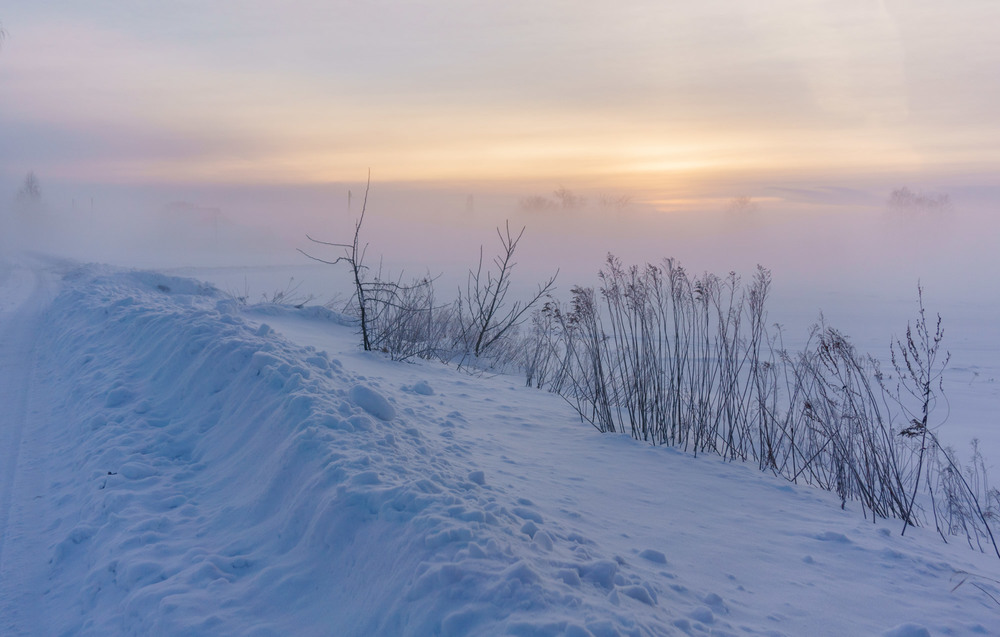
672, 100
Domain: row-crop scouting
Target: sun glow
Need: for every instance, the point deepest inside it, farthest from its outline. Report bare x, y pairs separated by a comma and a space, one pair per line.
720, 96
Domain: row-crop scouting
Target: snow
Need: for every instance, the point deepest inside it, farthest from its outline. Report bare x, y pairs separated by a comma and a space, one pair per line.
175, 463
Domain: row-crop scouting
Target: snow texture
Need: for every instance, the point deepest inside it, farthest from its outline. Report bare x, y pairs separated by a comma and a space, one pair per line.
177, 465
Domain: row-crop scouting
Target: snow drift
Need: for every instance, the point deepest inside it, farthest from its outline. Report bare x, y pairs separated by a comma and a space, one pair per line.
229, 482
200, 468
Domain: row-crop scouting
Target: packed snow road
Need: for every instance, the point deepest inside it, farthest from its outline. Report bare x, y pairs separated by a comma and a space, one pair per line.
27, 287
177, 464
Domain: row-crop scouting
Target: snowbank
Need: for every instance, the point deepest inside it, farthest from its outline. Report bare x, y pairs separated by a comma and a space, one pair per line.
220, 480
204, 474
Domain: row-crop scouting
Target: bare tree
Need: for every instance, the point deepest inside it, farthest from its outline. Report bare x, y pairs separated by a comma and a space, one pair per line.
484, 313
400, 320
354, 257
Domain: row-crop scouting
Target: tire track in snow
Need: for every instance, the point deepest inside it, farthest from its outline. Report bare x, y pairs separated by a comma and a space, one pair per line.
25, 290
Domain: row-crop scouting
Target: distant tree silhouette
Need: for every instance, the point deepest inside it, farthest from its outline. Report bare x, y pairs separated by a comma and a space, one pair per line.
31, 190
742, 205
911, 203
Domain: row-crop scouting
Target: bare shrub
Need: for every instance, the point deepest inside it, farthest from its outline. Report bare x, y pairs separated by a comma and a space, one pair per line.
689, 361
962, 501
583, 348
539, 349
288, 295
405, 319
667, 357
859, 455
918, 372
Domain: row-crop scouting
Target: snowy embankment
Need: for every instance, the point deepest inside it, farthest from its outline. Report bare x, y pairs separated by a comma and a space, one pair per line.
188, 466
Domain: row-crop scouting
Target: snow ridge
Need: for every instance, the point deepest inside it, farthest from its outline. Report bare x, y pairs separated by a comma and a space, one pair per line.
235, 483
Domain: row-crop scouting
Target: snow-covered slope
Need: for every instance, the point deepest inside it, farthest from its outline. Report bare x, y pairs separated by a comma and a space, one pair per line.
176, 464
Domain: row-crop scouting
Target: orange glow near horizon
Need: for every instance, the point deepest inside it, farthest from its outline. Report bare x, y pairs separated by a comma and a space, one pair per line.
670, 104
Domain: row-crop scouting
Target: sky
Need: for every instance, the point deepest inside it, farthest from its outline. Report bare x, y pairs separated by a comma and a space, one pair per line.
673, 104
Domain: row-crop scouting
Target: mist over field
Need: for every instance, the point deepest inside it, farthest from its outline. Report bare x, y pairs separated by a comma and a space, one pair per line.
820, 240
231, 407
854, 256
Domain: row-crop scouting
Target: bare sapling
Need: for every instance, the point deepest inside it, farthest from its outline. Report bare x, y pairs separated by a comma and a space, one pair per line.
354, 257
394, 318
485, 314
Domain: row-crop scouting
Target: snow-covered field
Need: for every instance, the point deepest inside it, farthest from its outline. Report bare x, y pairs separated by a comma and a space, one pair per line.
172, 463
